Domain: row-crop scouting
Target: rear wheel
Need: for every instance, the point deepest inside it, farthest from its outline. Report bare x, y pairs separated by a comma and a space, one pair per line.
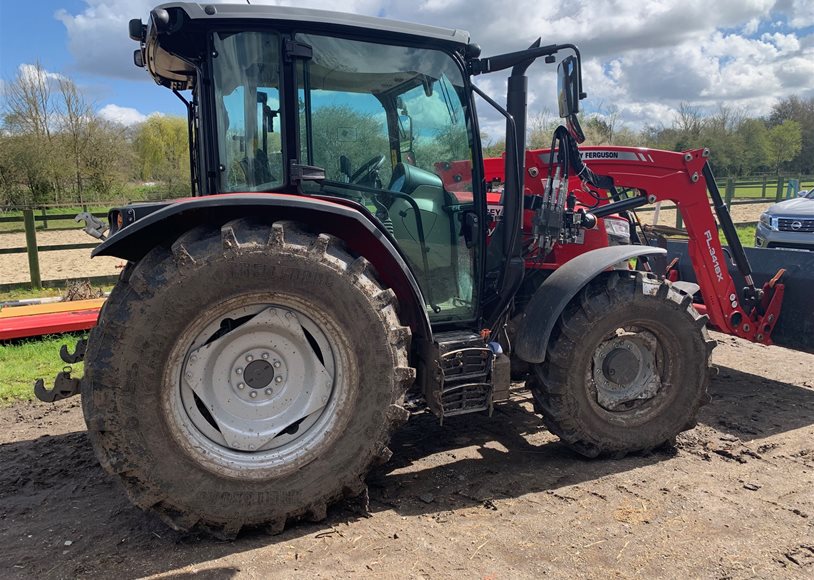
627, 366
225, 383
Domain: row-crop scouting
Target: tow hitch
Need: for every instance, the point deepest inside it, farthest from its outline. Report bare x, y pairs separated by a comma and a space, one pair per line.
64, 385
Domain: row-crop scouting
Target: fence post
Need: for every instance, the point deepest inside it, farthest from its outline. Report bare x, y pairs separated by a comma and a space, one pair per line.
679, 221
779, 194
730, 192
44, 219
763, 191
31, 246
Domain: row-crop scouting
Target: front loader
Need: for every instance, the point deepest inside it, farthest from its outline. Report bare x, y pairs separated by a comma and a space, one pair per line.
323, 282
757, 294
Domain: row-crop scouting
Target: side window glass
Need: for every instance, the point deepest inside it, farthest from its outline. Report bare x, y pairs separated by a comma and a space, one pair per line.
247, 101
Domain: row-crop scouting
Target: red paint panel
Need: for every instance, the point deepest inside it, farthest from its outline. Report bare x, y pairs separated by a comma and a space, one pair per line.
56, 323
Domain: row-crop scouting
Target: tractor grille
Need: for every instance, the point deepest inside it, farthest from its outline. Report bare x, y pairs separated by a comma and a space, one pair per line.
800, 225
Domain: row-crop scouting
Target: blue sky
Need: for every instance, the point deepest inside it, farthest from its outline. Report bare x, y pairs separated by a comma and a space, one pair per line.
642, 59
49, 45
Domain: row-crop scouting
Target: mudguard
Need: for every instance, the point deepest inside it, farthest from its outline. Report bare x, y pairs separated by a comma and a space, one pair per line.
533, 327
344, 219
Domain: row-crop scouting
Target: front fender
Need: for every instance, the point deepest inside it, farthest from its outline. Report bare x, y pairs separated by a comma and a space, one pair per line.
534, 325
348, 221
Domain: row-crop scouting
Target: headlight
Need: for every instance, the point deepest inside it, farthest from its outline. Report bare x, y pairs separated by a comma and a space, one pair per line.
769, 221
618, 228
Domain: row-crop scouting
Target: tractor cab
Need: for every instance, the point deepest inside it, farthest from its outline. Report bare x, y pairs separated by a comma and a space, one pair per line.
286, 100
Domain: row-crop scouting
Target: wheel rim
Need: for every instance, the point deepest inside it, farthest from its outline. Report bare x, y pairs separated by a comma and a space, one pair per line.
256, 387
625, 371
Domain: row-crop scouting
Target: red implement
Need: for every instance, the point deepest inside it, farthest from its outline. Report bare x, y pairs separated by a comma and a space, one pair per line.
25, 321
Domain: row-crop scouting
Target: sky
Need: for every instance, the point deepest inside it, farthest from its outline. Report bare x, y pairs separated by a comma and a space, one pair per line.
642, 58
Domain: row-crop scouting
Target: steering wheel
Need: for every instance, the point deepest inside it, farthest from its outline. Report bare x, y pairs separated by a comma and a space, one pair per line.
367, 169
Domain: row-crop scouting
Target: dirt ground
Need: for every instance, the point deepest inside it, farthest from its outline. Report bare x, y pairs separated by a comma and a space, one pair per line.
479, 497
740, 213
56, 265
59, 265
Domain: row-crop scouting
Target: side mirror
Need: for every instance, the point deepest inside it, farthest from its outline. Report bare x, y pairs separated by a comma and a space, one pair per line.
568, 86
137, 30
568, 95
802, 193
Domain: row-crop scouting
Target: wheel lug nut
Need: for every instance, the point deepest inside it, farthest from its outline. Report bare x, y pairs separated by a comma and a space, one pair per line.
241, 386
265, 355
268, 391
249, 358
253, 394
278, 380
239, 371
276, 364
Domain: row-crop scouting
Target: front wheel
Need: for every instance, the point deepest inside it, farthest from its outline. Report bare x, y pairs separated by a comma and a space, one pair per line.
247, 375
626, 368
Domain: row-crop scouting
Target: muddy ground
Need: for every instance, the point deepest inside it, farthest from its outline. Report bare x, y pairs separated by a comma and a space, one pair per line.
480, 497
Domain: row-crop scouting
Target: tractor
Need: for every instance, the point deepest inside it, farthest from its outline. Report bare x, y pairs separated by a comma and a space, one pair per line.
329, 276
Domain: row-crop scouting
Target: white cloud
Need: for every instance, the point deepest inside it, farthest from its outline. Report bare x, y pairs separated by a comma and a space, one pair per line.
98, 36
801, 12
32, 73
642, 58
123, 115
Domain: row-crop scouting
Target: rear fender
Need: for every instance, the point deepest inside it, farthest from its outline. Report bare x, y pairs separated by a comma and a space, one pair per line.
350, 222
534, 325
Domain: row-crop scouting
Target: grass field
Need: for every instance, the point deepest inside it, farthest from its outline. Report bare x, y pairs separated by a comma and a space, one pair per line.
24, 361
756, 191
746, 233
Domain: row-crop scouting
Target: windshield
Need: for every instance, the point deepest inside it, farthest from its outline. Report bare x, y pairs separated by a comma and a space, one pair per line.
389, 126
246, 69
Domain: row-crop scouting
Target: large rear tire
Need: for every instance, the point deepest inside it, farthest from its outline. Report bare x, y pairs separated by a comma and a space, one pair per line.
246, 376
627, 366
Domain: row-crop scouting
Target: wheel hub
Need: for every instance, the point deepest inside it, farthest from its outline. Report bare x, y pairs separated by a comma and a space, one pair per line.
261, 384
624, 371
258, 374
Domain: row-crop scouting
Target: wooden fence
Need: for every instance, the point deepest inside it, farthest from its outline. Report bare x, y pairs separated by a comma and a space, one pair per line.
29, 220
771, 189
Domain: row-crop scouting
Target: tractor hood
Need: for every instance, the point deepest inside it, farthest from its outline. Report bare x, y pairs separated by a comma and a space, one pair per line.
174, 41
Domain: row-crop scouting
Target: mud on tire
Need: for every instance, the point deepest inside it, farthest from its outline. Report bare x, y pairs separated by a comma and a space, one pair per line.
615, 315
151, 431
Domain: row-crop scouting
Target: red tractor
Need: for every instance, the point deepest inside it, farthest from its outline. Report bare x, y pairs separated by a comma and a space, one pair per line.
324, 281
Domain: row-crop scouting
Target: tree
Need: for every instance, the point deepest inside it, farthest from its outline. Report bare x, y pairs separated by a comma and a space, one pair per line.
785, 141
28, 121
801, 110
162, 151
54, 142
76, 118
754, 151
540, 129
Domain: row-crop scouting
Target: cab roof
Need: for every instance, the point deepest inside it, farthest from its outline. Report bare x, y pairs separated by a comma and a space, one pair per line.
165, 56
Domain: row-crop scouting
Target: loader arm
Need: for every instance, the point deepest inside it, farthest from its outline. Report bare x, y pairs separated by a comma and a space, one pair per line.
685, 179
